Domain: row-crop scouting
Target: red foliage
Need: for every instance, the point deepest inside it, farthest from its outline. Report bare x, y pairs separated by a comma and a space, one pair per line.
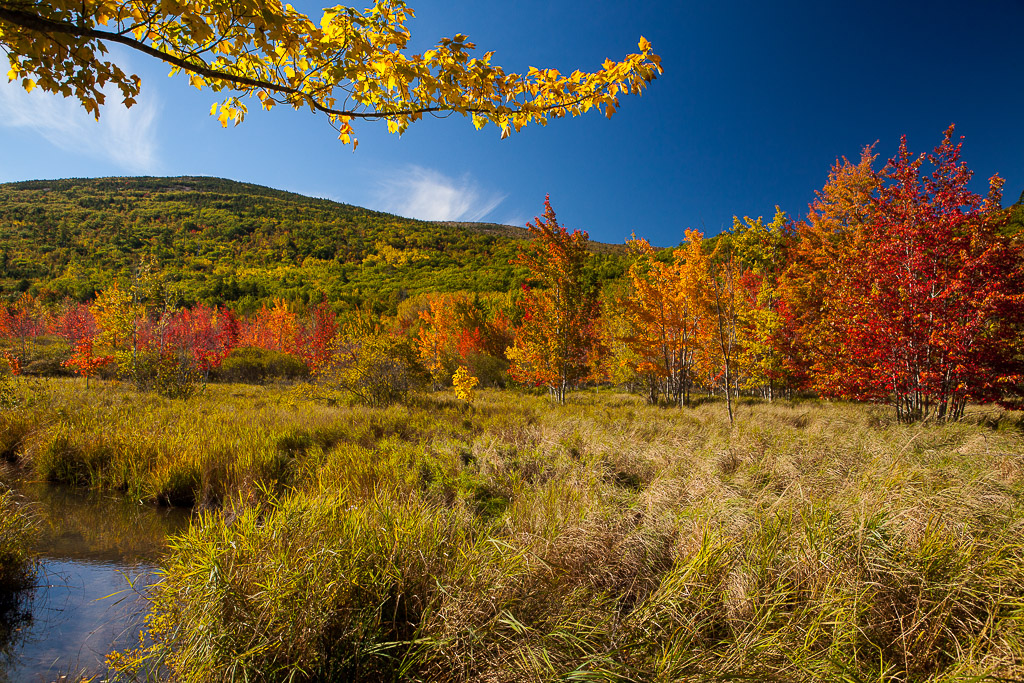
934, 292
316, 337
206, 334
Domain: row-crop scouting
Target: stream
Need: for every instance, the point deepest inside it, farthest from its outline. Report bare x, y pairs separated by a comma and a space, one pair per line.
96, 555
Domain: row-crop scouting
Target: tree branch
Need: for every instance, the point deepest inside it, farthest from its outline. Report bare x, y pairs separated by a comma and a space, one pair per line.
39, 24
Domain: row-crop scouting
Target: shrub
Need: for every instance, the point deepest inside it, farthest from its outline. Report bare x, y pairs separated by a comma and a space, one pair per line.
253, 365
47, 360
376, 369
464, 384
176, 377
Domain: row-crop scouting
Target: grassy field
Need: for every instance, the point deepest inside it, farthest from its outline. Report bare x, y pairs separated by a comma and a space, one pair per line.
518, 540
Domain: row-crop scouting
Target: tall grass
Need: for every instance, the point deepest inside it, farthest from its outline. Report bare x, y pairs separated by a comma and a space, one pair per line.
601, 540
230, 439
16, 557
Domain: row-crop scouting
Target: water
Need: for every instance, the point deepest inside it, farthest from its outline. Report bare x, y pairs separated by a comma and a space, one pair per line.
97, 554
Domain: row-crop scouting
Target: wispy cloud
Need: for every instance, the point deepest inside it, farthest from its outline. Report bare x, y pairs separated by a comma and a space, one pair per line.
417, 192
122, 136
517, 220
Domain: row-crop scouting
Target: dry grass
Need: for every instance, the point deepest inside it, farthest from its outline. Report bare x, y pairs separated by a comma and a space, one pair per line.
602, 540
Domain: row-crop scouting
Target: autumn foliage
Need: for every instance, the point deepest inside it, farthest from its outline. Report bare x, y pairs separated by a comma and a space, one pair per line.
554, 343
348, 65
934, 292
900, 286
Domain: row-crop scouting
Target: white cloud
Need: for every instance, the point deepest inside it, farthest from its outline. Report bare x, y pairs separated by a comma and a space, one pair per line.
417, 192
122, 136
517, 221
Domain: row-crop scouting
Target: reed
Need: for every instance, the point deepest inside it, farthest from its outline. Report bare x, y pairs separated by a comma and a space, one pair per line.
17, 562
600, 540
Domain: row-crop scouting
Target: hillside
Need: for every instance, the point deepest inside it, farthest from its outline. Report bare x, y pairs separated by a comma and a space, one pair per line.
222, 241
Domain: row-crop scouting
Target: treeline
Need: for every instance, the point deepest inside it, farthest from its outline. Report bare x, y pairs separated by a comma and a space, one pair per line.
900, 286
132, 333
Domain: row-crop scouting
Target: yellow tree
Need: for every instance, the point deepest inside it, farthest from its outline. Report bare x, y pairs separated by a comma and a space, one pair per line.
667, 305
116, 314
438, 336
761, 249
618, 362
349, 65
725, 284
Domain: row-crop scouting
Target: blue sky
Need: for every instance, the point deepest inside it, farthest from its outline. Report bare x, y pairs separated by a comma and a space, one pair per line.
757, 100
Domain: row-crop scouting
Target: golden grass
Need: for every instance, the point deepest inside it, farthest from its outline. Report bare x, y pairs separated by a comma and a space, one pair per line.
524, 541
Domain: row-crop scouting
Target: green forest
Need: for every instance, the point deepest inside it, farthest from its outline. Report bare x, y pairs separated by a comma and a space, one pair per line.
222, 242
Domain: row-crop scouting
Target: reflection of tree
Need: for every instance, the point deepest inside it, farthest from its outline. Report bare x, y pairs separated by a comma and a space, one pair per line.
90, 527
15, 617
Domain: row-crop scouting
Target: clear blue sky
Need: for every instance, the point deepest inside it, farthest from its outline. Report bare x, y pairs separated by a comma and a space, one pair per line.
757, 100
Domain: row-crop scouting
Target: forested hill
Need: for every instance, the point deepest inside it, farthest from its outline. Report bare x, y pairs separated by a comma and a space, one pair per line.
221, 241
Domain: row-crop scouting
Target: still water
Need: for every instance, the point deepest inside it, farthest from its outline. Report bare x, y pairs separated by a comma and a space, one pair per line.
97, 554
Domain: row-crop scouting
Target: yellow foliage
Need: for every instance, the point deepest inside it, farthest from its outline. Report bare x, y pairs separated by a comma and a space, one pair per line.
464, 384
349, 65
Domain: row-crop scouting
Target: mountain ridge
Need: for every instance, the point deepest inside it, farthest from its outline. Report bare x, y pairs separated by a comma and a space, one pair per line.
225, 241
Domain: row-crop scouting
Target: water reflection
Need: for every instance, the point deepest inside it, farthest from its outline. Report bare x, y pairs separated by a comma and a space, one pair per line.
97, 553
15, 615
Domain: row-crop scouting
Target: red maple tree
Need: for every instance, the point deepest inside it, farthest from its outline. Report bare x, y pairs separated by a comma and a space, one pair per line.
934, 292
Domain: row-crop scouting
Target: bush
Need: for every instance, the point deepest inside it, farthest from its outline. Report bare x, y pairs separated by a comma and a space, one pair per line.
176, 377
490, 370
377, 369
47, 360
252, 365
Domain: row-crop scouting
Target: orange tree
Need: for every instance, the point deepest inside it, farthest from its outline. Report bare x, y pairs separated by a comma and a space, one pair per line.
667, 308
350, 65
819, 267
553, 345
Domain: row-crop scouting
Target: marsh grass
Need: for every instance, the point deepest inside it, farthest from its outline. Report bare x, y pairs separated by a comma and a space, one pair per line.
17, 529
18, 571
522, 541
